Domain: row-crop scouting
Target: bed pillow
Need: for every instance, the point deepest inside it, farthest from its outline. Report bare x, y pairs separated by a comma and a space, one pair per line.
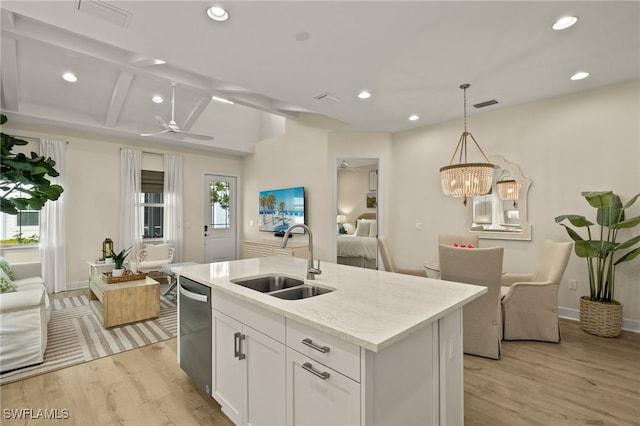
362, 228
157, 251
373, 229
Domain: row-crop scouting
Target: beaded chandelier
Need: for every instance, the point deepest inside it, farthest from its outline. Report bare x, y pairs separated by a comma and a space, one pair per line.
466, 179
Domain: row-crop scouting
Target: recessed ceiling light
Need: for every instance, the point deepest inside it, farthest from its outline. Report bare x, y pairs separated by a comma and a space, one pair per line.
69, 76
223, 100
580, 75
364, 95
217, 13
414, 117
564, 23
157, 99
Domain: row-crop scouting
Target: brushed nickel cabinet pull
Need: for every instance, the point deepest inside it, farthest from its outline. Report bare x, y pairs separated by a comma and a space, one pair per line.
309, 342
322, 374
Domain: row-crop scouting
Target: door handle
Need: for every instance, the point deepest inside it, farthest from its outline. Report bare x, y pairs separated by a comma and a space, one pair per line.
237, 345
193, 296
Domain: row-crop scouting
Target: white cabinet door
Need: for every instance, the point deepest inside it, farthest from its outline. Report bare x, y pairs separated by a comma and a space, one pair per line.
265, 372
248, 373
228, 370
318, 395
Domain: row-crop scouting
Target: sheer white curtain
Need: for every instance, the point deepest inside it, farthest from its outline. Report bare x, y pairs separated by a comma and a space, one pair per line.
130, 189
173, 213
52, 244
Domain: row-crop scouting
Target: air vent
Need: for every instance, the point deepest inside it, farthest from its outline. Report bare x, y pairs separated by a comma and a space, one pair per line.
486, 103
326, 97
105, 11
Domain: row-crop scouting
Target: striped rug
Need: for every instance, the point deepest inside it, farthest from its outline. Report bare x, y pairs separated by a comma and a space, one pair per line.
75, 336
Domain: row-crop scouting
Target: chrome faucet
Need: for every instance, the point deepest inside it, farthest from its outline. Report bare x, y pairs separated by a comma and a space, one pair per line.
311, 270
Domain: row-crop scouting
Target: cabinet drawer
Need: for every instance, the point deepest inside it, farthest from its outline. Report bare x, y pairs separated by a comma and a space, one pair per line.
266, 322
331, 351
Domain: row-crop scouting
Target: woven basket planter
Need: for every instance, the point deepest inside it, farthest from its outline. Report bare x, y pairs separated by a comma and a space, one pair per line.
600, 319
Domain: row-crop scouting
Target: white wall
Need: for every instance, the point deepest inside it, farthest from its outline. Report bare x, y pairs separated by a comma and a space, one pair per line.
91, 191
582, 142
296, 158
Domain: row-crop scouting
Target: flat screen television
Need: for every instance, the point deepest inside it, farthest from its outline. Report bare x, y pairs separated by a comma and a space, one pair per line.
280, 209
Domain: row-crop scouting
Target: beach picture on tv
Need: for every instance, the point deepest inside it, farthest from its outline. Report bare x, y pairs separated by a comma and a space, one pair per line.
281, 209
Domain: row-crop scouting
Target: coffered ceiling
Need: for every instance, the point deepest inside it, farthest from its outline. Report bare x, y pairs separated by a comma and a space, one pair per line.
292, 57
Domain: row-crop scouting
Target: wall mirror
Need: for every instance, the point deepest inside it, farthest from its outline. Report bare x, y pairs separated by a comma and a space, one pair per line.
502, 214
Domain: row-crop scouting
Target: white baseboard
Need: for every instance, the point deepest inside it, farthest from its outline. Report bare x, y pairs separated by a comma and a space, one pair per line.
77, 285
574, 314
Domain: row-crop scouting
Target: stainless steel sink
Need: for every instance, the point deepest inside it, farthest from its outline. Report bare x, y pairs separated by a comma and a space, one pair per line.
282, 286
269, 283
301, 292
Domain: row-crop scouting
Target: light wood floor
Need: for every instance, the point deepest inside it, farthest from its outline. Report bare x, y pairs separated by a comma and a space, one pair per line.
584, 380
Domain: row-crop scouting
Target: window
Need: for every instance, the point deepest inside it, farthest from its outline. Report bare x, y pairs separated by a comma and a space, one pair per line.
23, 228
219, 212
152, 203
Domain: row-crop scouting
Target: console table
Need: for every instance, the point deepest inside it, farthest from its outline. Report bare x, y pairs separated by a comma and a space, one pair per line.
123, 303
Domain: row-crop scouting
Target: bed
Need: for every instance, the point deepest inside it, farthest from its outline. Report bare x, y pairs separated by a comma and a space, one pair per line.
360, 248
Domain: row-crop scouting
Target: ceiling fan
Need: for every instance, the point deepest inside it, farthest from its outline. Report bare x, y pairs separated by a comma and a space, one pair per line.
172, 127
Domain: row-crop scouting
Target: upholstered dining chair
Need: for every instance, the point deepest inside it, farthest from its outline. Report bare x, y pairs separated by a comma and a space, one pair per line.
530, 301
390, 264
451, 239
482, 318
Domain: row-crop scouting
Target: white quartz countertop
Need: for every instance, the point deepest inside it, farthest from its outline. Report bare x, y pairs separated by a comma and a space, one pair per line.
370, 308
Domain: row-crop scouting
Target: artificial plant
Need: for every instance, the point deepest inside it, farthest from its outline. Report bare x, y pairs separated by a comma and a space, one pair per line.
24, 184
118, 258
601, 249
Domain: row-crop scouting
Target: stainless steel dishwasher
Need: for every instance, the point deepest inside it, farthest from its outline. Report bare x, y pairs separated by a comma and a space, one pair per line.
195, 332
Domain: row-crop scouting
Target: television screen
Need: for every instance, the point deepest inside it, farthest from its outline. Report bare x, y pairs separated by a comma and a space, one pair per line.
280, 209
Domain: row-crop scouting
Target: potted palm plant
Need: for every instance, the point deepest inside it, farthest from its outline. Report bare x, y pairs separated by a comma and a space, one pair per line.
118, 260
600, 313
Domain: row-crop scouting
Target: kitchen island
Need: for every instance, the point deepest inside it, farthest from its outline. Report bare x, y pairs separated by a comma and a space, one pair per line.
379, 349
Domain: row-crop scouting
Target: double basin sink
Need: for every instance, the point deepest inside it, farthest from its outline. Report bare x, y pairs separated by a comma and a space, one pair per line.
282, 286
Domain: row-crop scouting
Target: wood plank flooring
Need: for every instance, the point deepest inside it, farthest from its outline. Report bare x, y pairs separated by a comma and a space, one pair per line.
584, 380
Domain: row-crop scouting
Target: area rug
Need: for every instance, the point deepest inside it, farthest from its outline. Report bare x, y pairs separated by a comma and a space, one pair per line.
75, 336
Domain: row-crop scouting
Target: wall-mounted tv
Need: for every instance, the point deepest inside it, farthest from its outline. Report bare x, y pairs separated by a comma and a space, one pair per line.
280, 209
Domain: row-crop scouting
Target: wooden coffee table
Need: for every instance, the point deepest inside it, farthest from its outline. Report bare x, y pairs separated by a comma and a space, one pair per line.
124, 303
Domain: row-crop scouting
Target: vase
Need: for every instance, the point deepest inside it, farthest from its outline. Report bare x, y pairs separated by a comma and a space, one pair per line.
117, 272
600, 319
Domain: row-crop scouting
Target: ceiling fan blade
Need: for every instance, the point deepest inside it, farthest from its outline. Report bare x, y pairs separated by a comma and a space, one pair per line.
161, 121
196, 136
154, 134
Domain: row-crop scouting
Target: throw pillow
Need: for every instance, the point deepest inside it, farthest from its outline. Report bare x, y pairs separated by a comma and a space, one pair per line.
4, 265
5, 283
157, 251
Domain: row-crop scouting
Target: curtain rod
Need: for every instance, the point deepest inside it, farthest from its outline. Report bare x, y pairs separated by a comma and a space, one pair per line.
33, 138
146, 152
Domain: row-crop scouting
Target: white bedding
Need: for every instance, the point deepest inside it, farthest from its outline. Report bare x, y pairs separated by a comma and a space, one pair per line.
352, 246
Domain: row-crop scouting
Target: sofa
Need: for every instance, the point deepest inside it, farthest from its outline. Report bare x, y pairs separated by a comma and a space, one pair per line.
24, 315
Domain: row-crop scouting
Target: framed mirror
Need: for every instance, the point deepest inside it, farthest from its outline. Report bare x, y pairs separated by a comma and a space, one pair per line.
502, 214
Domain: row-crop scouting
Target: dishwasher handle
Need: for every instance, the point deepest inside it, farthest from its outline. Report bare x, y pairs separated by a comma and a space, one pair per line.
194, 296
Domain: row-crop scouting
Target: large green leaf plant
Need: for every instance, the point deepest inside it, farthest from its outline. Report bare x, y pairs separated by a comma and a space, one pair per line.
24, 183
601, 249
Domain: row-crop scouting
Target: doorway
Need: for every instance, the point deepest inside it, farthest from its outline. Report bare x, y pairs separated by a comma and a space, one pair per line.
357, 204
220, 218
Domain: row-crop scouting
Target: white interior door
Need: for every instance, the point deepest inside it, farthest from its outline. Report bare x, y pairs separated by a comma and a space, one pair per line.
220, 219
